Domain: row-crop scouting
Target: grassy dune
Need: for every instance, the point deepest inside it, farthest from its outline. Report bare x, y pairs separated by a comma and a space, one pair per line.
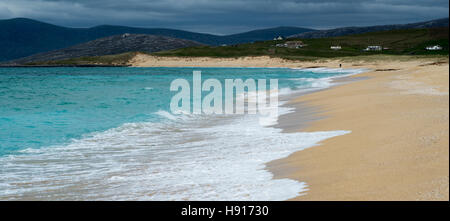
113, 60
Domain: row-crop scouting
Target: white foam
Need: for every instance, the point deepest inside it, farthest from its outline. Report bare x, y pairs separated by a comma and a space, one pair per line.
188, 157
156, 161
166, 114
315, 84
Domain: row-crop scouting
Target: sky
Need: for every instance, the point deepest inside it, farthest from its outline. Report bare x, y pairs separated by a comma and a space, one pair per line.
225, 16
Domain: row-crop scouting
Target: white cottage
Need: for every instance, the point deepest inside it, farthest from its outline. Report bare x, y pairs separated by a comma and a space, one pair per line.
373, 48
434, 48
336, 47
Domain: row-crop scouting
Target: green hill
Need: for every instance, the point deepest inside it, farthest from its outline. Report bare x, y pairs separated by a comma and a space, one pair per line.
112, 45
397, 42
21, 37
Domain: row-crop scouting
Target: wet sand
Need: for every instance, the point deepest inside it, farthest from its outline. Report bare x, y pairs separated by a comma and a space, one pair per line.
399, 145
398, 114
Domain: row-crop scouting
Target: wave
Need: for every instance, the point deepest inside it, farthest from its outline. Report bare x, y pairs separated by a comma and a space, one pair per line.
182, 157
161, 161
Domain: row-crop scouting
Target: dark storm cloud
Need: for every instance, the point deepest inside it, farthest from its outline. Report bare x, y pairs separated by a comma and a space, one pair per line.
225, 16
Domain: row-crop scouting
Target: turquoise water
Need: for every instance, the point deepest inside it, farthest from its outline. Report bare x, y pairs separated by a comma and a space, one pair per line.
48, 106
108, 134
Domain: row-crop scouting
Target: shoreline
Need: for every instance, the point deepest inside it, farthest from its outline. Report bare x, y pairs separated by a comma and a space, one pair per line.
303, 117
378, 160
398, 115
63, 66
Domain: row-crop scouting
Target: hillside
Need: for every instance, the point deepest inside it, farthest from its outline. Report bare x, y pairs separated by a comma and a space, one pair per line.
264, 34
359, 30
22, 37
399, 42
112, 45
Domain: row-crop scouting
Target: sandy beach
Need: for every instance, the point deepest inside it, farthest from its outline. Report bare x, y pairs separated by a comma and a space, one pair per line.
398, 148
397, 112
145, 60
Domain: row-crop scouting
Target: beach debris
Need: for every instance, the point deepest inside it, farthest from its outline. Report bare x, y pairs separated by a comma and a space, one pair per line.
387, 69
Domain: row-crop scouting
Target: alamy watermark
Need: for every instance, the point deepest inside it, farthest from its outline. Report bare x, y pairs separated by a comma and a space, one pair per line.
257, 99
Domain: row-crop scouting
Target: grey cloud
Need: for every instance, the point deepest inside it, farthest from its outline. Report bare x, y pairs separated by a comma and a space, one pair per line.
230, 16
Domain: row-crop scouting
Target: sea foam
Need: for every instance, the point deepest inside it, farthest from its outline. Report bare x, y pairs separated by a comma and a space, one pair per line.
182, 157
162, 161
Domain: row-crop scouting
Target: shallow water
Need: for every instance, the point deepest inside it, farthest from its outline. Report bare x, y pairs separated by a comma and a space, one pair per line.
108, 134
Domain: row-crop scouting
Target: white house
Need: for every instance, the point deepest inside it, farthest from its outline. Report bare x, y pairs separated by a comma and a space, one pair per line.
291, 44
337, 47
373, 48
294, 44
434, 48
279, 38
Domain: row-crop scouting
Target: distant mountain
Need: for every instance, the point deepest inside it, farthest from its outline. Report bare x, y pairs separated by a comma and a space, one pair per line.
22, 37
265, 34
359, 30
112, 45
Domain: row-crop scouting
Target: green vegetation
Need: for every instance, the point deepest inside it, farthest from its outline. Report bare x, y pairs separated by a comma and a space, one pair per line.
409, 43
113, 60
398, 42
22, 37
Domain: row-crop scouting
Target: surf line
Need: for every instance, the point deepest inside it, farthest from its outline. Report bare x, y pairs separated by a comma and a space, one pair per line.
256, 97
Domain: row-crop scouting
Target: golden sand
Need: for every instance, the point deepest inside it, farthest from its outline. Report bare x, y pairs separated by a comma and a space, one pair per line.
399, 145
145, 60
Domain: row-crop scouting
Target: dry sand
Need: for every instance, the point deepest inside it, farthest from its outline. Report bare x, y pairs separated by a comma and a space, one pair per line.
399, 145
145, 60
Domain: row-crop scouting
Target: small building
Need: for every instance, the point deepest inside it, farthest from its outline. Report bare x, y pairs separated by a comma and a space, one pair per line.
294, 44
434, 48
279, 38
373, 48
291, 44
336, 47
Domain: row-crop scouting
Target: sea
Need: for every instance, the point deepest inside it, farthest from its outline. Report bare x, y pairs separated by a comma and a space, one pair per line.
107, 133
